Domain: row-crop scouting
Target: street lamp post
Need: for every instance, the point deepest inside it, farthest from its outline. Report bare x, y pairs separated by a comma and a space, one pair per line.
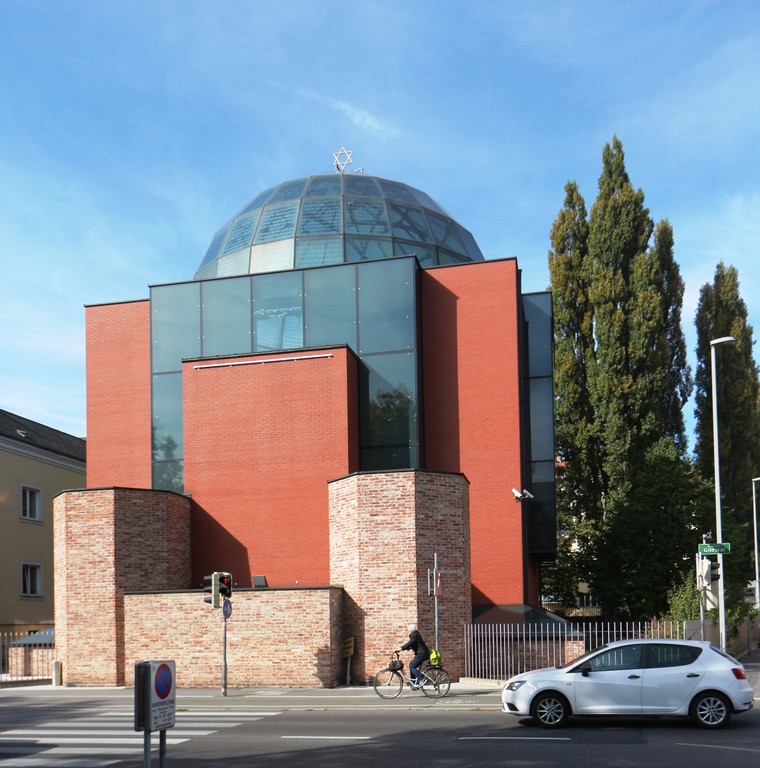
754, 520
716, 463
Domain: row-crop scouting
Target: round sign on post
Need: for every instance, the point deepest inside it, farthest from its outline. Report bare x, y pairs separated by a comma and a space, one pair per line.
227, 608
162, 695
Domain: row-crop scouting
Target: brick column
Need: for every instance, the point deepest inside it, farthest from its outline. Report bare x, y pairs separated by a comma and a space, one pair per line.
385, 529
108, 542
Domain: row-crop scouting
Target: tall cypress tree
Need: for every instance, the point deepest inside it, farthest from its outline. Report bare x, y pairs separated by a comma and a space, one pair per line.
722, 312
581, 476
620, 377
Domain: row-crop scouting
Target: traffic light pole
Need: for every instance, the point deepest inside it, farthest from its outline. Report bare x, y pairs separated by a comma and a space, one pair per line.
224, 658
226, 612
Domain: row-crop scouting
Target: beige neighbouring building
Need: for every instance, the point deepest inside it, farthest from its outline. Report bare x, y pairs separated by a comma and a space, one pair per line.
36, 464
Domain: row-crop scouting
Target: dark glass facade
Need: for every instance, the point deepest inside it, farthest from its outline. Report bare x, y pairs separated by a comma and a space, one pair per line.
369, 306
539, 384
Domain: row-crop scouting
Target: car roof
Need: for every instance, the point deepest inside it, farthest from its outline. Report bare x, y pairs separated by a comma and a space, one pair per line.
650, 640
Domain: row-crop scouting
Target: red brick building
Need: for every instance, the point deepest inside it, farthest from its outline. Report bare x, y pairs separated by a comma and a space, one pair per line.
342, 332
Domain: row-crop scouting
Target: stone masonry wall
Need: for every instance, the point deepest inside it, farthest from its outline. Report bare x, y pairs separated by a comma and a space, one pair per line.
385, 529
107, 542
275, 637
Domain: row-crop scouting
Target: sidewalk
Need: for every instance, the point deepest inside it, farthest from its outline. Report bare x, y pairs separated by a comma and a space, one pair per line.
462, 696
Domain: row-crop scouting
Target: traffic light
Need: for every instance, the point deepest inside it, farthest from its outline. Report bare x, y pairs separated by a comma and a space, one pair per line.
212, 585
225, 585
710, 571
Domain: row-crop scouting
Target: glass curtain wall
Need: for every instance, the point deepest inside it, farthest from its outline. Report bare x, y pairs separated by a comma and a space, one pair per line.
542, 517
369, 306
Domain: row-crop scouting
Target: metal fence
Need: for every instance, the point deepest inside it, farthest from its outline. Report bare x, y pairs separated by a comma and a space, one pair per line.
499, 651
26, 657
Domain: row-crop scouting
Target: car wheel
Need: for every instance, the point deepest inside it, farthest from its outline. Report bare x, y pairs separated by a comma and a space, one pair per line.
710, 710
550, 710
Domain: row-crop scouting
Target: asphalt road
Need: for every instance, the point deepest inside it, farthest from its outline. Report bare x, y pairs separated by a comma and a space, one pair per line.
346, 728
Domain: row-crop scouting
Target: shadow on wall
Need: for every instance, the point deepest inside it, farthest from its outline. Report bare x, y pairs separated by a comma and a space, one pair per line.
353, 668
216, 538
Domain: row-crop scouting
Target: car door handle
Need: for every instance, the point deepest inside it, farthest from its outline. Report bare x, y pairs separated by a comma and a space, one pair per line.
693, 674
634, 677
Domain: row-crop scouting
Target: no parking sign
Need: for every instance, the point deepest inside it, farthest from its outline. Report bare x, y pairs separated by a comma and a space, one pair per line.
154, 695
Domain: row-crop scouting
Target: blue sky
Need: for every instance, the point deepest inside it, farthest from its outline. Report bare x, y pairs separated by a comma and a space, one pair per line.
130, 131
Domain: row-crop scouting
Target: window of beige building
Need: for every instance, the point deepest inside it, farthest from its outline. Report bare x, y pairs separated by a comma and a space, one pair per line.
31, 580
31, 503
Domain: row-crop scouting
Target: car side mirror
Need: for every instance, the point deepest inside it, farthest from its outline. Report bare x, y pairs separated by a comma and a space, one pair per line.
586, 670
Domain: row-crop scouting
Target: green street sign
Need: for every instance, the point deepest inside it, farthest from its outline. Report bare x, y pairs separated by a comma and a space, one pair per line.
714, 549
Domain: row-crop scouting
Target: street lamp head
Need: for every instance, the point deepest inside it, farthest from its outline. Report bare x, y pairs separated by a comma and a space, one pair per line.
722, 340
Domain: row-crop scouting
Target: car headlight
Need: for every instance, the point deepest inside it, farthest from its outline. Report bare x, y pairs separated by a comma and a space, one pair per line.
515, 685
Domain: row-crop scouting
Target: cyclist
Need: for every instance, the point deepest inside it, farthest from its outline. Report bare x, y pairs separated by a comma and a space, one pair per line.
421, 653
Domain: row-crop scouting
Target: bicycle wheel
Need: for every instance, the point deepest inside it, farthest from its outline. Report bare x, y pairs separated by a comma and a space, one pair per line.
388, 684
437, 682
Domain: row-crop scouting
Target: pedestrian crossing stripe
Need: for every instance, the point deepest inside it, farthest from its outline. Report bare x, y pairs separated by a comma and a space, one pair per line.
105, 739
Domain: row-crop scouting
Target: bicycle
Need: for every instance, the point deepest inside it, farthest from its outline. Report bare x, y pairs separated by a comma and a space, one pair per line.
389, 682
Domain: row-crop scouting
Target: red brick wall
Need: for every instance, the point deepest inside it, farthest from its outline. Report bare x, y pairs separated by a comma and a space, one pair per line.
107, 542
261, 441
385, 530
118, 395
285, 637
472, 388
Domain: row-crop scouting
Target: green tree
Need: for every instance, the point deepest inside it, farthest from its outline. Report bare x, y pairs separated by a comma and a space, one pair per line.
652, 537
722, 312
621, 377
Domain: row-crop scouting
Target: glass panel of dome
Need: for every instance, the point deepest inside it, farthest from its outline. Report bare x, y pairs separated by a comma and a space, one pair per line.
446, 233
366, 217
320, 186
241, 232
259, 200
277, 312
289, 190
215, 245
423, 199
426, 254
226, 316
447, 257
207, 272
368, 249
386, 305
233, 264
175, 325
409, 223
272, 257
320, 216
317, 252
396, 191
360, 186
277, 222
330, 300
472, 247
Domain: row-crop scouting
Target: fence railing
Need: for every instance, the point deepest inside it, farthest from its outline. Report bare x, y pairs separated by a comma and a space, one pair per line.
26, 657
499, 651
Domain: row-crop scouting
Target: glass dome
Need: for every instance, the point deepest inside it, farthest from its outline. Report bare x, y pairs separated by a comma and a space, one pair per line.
335, 218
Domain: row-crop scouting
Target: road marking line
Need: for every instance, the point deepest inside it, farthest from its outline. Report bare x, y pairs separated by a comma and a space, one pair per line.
717, 746
333, 738
513, 738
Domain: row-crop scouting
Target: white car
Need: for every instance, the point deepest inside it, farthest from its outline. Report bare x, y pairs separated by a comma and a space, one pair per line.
686, 678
